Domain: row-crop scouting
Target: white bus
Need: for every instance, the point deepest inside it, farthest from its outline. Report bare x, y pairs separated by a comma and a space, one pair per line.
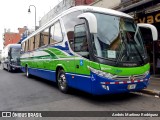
93, 49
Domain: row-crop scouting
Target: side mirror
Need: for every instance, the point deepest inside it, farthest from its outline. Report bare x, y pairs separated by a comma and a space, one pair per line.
12, 60
92, 21
151, 27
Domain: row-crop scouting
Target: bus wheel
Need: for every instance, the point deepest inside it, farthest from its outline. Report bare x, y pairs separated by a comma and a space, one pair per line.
62, 81
9, 68
27, 72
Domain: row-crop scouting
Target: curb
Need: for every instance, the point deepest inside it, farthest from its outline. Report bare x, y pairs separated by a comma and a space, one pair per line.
151, 92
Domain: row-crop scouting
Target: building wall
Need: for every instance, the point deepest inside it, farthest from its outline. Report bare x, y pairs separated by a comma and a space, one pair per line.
62, 6
106, 3
12, 38
83, 2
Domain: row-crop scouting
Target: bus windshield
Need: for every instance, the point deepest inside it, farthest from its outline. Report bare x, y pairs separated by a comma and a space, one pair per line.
118, 39
15, 53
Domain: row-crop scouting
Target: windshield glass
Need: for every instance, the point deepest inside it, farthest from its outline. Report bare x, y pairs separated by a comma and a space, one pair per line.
15, 53
118, 39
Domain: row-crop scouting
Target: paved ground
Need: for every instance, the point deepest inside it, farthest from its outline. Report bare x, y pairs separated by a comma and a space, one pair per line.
20, 93
154, 83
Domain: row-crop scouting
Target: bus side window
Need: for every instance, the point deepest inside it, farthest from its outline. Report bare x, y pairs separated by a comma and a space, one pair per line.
70, 20
23, 47
80, 40
31, 43
56, 33
51, 35
26, 47
44, 37
37, 41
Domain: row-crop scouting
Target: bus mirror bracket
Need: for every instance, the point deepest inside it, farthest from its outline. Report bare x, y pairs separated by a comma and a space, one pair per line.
92, 21
152, 28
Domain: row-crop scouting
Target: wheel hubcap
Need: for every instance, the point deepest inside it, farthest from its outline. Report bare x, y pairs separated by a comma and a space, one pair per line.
62, 81
27, 71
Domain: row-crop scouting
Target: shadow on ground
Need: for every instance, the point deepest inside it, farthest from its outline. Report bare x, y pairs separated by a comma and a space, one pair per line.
89, 97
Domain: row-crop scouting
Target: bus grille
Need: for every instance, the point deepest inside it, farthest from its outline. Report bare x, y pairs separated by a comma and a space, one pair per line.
126, 78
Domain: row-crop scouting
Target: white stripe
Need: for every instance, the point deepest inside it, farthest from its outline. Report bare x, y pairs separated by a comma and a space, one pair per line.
43, 69
136, 81
121, 82
79, 75
36, 59
102, 82
112, 82
128, 81
62, 51
141, 80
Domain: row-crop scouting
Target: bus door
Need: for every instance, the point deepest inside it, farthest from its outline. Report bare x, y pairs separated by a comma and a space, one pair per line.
82, 61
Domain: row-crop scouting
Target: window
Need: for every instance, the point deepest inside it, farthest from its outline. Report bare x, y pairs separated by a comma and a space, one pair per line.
26, 47
31, 43
51, 35
44, 37
56, 33
80, 40
23, 46
37, 41
70, 21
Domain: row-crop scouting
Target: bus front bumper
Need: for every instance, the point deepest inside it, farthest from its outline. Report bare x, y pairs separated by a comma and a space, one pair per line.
102, 86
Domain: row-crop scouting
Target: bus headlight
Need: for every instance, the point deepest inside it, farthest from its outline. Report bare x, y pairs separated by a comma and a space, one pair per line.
101, 73
146, 73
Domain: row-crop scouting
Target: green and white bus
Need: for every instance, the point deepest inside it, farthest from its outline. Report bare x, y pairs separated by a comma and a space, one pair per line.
96, 50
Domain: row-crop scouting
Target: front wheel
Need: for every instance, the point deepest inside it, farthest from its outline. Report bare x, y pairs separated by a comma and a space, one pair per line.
27, 72
62, 81
9, 68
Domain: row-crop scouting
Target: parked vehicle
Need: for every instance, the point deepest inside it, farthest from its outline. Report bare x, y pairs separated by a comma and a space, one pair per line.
11, 57
97, 50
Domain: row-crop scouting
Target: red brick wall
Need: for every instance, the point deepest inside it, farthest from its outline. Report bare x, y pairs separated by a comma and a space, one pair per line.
12, 38
83, 2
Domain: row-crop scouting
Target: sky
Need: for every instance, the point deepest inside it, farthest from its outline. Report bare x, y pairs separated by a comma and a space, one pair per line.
14, 14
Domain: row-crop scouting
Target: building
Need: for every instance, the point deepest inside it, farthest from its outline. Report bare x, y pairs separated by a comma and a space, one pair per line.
62, 6
106, 3
12, 37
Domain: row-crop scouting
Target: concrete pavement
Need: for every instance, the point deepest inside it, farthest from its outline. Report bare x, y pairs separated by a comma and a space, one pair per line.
154, 86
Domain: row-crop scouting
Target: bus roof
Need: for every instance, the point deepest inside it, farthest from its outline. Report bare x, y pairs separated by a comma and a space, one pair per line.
83, 8
13, 45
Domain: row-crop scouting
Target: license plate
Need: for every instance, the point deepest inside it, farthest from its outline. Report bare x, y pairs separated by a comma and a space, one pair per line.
132, 86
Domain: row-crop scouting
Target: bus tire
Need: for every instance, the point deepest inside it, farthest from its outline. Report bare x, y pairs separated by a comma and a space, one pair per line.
9, 68
62, 81
27, 72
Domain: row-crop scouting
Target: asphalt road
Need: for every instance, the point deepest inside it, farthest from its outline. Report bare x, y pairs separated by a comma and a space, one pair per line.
17, 92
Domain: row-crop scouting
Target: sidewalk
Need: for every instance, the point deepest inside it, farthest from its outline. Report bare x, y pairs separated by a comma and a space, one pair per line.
154, 83
154, 86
